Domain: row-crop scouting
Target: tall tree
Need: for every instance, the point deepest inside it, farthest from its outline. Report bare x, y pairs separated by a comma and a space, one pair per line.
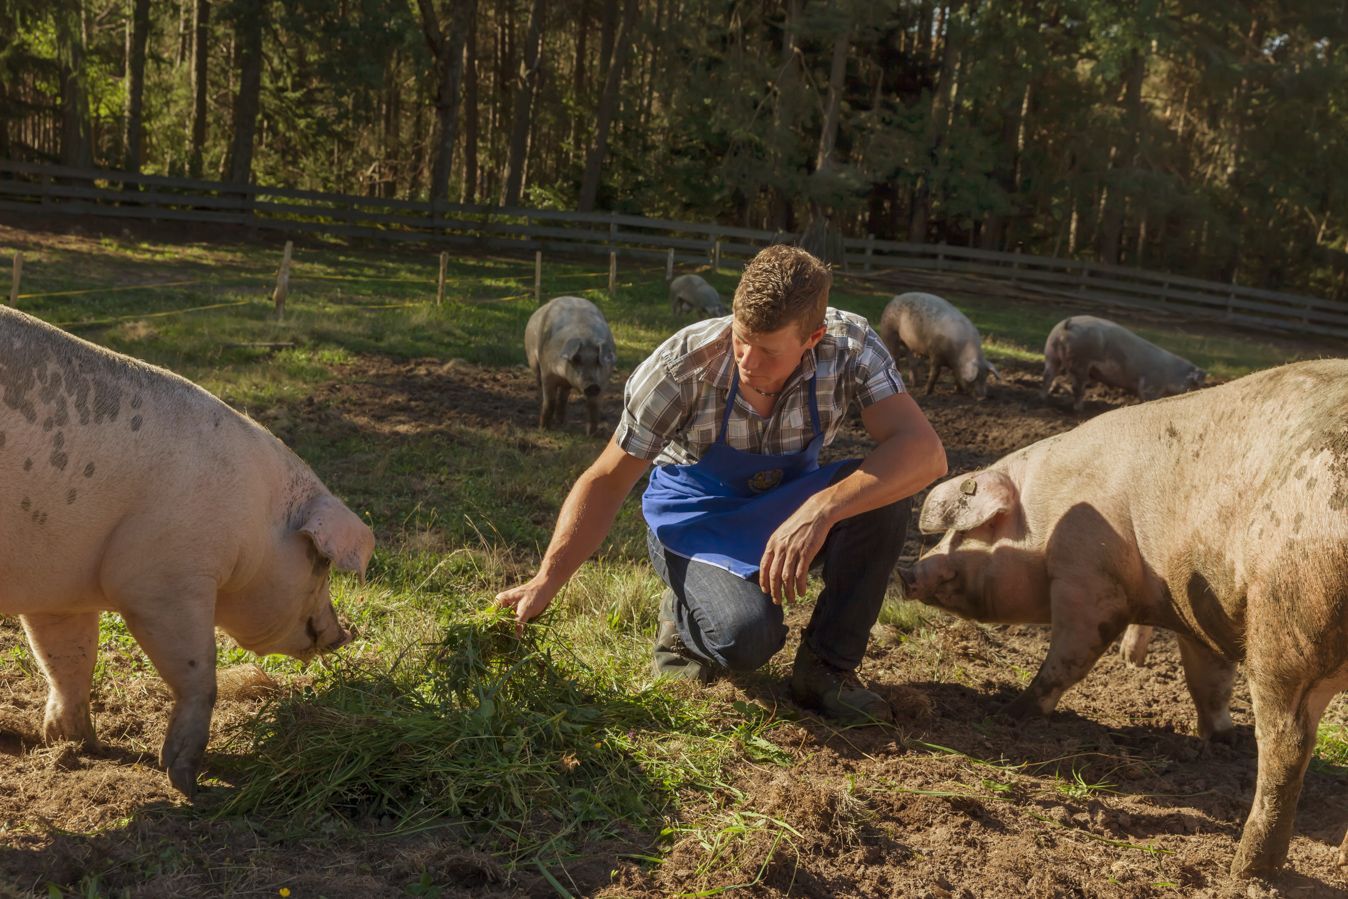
468, 190
201, 39
75, 145
526, 85
608, 102
445, 39
248, 17
137, 33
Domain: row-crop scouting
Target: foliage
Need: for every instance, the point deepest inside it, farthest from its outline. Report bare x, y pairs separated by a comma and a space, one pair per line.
1197, 137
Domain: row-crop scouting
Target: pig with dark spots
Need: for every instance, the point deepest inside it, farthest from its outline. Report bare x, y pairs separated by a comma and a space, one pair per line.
923, 324
1118, 522
176, 525
692, 294
1085, 348
569, 347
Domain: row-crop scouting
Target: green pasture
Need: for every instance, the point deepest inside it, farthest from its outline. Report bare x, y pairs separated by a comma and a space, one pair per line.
437, 716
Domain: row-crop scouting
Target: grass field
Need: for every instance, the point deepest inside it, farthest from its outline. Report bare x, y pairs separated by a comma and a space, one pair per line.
542, 753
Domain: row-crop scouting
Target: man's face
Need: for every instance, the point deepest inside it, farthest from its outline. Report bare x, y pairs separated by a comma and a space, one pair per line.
767, 358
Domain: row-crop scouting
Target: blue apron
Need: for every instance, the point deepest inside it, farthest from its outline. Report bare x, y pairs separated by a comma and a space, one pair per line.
722, 509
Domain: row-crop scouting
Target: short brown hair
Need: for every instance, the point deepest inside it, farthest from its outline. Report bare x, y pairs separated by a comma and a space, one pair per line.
781, 285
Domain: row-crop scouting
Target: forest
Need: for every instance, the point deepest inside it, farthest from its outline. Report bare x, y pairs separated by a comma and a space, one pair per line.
1189, 136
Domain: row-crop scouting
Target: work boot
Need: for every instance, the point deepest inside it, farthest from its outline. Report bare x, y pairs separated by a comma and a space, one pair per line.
672, 656
835, 692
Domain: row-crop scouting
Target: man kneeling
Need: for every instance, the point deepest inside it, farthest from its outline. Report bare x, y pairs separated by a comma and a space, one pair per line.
734, 411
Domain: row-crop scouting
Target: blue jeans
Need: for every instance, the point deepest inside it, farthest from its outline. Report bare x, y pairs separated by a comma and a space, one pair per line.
731, 622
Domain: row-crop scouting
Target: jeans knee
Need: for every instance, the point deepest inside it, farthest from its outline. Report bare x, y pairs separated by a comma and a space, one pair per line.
746, 645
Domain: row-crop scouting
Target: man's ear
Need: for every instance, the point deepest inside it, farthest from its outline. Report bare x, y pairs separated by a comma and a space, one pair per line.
815, 336
338, 534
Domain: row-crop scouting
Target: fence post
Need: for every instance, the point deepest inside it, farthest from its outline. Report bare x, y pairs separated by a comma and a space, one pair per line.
278, 296
1015, 267
669, 265
538, 277
612, 231
1082, 279
716, 255
940, 257
612, 273
15, 279
870, 251
1230, 295
440, 281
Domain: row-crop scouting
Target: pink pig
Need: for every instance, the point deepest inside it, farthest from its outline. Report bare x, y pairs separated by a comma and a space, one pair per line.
124, 487
1221, 515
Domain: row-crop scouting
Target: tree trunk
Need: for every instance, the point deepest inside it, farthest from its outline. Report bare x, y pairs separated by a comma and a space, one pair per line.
578, 81
248, 20
75, 148
1112, 211
468, 190
608, 102
447, 50
201, 29
137, 30
525, 86
937, 119
819, 237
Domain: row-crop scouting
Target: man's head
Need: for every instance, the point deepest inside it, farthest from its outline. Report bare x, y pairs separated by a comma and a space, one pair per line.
780, 286
779, 314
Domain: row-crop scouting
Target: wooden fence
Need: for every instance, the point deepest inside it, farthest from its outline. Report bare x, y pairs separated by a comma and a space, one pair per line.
58, 190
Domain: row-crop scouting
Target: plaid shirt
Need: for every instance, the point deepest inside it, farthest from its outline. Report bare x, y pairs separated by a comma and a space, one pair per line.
673, 402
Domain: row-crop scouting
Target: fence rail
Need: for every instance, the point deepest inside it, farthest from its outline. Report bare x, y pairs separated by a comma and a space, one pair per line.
60, 190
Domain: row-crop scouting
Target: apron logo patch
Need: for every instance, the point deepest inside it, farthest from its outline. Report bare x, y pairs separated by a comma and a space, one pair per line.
765, 480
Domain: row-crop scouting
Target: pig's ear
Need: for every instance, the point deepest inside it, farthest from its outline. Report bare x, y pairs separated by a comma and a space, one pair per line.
607, 356
962, 504
992, 370
571, 349
338, 534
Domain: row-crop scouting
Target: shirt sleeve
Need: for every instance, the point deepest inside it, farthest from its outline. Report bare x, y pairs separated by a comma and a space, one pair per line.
876, 375
653, 407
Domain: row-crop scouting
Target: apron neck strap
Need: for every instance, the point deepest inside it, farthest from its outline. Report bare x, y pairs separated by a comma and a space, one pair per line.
729, 403
815, 426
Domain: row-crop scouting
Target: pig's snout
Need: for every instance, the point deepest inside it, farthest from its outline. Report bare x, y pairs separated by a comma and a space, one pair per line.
908, 581
592, 390
344, 637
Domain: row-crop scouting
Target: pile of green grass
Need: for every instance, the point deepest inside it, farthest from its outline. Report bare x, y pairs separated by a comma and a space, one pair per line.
528, 749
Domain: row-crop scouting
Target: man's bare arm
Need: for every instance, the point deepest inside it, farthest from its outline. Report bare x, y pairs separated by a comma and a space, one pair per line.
583, 523
908, 456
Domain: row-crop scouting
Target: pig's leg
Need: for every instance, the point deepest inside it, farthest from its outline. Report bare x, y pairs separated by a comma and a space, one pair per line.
179, 638
1209, 677
1286, 715
933, 372
545, 410
592, 407
559, 403
1133, 646
1078, 390
1087, 618
1050, 375
66, 646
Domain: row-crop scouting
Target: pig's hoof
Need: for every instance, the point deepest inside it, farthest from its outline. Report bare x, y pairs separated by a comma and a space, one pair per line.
1021, 708
184, 778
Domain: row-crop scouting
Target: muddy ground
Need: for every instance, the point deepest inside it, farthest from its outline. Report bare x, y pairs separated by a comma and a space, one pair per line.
1112, 796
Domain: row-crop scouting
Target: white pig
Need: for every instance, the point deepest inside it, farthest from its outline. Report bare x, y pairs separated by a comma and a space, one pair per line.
126, 488
1220, 515
691, 293
569, 346
1086, 349
923, 324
